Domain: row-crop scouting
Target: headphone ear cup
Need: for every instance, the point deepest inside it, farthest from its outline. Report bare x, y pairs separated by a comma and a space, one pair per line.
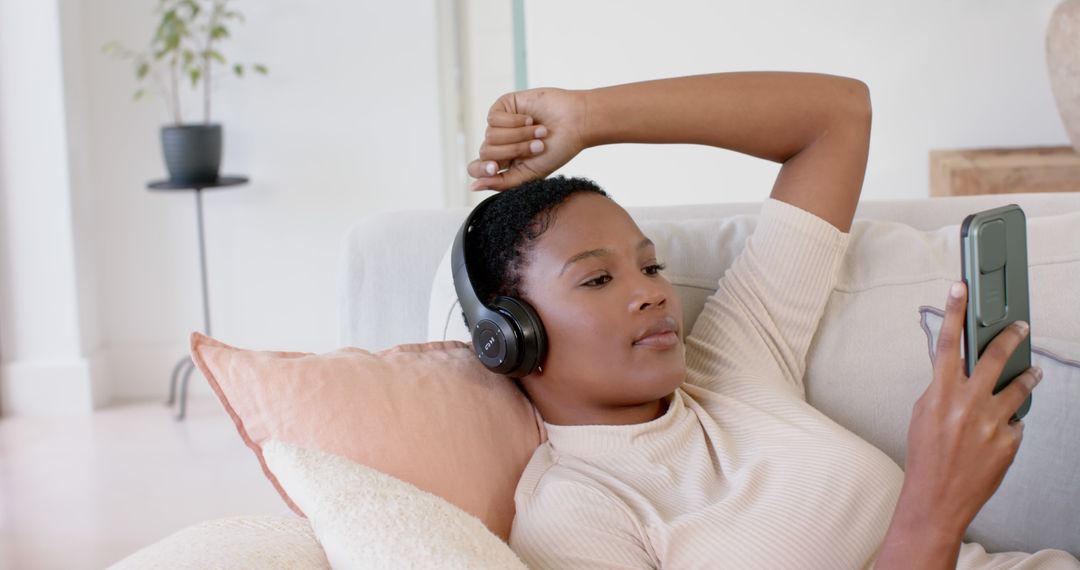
493, 339
529, 344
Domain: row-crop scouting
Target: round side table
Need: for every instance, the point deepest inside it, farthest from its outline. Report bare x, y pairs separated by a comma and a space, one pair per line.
185, 366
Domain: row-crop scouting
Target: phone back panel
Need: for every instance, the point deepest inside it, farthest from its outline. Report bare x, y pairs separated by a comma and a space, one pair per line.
995, 269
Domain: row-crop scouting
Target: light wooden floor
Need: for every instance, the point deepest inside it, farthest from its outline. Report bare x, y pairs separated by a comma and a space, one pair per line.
84, 492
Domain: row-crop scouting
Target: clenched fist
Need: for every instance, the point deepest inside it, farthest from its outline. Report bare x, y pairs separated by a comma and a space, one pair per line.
530, 134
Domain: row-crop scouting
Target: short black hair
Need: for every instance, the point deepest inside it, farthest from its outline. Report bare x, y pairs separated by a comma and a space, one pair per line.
503, 235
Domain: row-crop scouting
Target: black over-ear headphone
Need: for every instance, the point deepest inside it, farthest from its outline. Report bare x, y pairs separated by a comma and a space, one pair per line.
507, 335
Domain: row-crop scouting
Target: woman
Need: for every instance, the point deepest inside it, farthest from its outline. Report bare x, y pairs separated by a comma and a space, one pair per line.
687, 449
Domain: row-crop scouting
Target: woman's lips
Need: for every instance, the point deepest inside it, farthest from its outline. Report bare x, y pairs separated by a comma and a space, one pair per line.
662, 334
660, 340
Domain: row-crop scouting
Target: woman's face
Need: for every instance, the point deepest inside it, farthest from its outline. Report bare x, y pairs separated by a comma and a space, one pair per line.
593, 278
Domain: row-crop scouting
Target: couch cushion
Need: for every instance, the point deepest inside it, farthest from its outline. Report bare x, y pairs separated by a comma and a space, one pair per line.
429, 414
868, 363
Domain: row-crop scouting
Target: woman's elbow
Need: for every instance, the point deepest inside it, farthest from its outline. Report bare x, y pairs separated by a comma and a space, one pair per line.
858, 103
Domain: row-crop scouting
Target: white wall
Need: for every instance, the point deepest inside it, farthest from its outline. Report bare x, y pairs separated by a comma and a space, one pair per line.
348, 123
955, 74
487, 54
47, 339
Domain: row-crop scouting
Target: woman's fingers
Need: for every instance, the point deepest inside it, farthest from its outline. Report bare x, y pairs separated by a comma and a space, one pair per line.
511, 151
480, 168
500, 136
1017, 428
992, 360
1013, 396
504, 145
947, 354
504, 119
530, 134
518, 173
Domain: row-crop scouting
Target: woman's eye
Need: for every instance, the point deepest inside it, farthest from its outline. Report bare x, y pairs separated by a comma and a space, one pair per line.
598, 281
650, 270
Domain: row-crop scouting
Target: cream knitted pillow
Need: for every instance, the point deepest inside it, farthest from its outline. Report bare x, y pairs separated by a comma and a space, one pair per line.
366, 519
233, 543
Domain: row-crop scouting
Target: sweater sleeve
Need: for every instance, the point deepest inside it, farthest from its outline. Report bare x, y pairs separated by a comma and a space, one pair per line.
768, 304
566, 524
974, 557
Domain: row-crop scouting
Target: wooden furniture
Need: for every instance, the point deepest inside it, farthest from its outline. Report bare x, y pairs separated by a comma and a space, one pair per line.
1004, 170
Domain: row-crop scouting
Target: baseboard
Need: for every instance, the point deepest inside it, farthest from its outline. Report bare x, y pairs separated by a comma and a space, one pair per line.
54, 388
80, 386
143, 372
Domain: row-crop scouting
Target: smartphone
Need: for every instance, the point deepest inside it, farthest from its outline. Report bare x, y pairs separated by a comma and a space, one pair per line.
995, 269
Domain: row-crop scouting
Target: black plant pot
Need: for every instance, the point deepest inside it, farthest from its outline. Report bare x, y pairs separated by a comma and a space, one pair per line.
192, 152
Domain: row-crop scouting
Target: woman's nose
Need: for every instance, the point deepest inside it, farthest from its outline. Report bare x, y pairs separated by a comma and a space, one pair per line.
649, 295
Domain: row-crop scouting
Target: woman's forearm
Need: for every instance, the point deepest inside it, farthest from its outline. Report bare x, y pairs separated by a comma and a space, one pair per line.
817, 126
770, 115
918, 539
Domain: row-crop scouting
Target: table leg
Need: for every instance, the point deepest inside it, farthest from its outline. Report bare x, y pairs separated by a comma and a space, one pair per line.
183, 369
183, 392
202, 263
185, 361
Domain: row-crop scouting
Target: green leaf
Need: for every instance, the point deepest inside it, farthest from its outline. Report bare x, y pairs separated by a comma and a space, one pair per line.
181, 29
238, 70
214, 54
142, 69
261, 68
188, 57
219, 32
195, 75
172, 38
139, 94
168, 20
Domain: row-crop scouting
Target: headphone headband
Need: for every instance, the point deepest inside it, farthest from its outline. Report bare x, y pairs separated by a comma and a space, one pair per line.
463, 284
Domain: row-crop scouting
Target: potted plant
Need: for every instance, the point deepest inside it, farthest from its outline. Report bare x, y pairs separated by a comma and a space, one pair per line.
185, 48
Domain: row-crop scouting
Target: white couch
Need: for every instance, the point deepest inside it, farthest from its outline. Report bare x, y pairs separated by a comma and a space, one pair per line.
394, 289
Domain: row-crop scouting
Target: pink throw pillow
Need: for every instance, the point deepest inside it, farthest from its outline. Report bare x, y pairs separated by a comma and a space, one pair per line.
429, 414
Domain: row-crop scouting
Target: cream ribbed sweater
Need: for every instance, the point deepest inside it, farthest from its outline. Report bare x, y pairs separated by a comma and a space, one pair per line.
740, 472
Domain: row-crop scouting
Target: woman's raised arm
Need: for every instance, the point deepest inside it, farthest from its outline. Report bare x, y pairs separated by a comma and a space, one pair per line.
816, 125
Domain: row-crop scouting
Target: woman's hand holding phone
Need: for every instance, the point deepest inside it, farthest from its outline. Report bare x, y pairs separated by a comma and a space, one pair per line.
960, 441
530, 134
960, 444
